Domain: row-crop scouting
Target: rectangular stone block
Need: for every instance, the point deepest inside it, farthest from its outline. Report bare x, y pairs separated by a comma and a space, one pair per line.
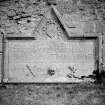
48, 60
98, 27
88, 27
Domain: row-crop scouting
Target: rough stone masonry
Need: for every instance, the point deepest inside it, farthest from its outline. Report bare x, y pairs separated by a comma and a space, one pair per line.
81, 17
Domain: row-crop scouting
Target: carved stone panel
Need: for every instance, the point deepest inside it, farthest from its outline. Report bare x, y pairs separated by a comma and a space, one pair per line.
49, 60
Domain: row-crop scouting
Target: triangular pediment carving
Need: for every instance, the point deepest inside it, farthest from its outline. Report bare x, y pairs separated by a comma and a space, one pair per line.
50, 26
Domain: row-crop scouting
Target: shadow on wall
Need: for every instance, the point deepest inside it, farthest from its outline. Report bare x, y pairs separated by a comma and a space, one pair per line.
97, 76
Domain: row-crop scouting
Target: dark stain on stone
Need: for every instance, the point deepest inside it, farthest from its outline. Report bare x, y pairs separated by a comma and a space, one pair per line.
58, 88
58, 95
69, 92
28, 21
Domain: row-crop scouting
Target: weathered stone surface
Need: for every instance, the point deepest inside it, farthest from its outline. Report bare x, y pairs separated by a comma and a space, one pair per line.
99, 26
66, 6
18, 12
53, 94
68, 21
22, 17
75, 31
32, 60
73, 23
89, 27
76, 16
103, 26
103, 39
0, 66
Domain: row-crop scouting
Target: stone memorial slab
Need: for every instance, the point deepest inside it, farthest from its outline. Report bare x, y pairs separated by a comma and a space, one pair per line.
49, 61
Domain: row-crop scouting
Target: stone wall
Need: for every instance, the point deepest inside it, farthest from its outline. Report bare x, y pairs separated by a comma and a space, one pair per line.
19, 17
81, 17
